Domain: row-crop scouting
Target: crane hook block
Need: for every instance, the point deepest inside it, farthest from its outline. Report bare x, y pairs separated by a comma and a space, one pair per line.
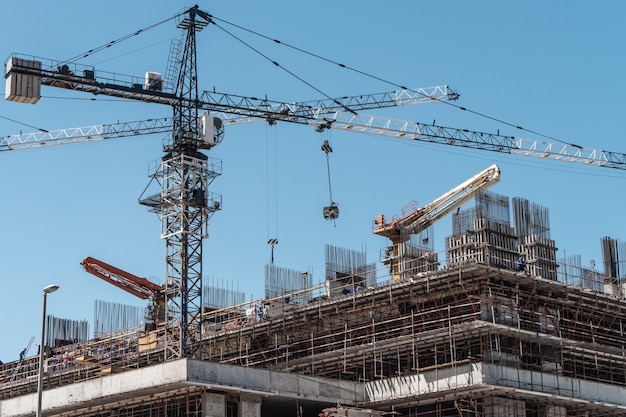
331, 212
326, 147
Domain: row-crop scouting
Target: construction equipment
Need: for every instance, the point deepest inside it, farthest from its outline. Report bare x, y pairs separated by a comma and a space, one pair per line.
185, 203
184, 174
398, 230
137, 286
371, 125
330, 212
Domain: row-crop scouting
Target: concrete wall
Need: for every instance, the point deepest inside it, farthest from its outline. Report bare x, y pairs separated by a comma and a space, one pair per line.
250, 406
505, 407
554, 385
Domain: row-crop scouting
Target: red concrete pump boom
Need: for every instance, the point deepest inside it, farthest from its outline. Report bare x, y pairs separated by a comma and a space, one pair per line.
139, 287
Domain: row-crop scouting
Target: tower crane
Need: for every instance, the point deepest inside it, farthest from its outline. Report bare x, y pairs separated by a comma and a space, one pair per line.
398, 230
185, 203
137, 286
185, 173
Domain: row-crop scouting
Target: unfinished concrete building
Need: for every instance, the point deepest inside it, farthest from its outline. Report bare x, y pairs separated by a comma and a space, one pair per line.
476, 336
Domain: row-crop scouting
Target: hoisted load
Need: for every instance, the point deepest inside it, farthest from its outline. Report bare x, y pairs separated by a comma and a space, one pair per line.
330, 212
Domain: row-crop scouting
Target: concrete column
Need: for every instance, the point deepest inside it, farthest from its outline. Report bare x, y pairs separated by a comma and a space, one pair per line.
249, 405
505, 407
555, 411
214, 405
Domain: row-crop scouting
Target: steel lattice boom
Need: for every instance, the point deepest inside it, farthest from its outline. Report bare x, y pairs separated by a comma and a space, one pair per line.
372, 125
402, 129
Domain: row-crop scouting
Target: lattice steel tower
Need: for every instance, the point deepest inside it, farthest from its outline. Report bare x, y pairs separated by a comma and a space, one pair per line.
185, 203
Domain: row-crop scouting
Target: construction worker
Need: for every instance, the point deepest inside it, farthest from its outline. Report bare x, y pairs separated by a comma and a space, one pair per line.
521, 265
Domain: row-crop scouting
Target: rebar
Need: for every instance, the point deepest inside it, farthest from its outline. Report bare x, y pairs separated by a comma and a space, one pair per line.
281, 281
110, 317
62, 332
216, 297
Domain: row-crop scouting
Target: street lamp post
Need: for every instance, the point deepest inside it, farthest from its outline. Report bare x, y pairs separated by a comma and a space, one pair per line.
49, 289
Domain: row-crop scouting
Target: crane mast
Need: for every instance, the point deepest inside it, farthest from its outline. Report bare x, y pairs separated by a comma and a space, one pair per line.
183, 205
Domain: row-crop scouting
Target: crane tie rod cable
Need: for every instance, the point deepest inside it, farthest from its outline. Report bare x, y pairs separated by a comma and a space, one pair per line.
24, 124
477, 113
119, 40
283, 68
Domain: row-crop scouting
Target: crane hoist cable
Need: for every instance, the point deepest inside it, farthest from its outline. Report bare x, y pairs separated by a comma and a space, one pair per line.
269, 146
330, 212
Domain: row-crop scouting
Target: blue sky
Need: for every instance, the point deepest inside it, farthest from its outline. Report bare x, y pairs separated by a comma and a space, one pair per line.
556, 68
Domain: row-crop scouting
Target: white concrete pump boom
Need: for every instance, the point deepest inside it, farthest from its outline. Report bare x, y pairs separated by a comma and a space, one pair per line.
455, 198
399, 229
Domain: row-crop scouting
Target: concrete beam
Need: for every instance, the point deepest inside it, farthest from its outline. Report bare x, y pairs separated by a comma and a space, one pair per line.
274, 384
446, 382
158, 380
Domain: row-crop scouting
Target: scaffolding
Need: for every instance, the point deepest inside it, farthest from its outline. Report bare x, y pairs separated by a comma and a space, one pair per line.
476, 337
533, 341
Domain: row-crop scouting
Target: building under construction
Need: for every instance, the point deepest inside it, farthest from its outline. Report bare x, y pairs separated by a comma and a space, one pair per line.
501, 327
493, 325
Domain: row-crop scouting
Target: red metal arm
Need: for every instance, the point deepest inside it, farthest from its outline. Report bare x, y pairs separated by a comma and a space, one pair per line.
139, 287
